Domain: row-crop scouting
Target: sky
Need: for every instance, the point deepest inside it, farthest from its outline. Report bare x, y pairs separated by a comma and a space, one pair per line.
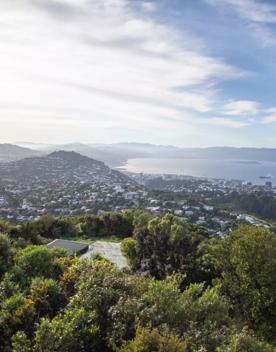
191, 73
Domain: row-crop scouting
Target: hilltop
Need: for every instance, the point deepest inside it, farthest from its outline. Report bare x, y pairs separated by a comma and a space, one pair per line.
11, 152
60, 165
62, 183
118, 154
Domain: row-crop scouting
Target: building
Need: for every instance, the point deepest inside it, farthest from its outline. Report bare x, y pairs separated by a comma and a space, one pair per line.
71, 247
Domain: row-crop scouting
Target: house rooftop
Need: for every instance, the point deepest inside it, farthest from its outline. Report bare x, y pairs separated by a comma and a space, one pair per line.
71, 247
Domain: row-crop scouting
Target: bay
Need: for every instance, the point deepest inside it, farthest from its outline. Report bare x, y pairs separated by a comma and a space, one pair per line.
250, 171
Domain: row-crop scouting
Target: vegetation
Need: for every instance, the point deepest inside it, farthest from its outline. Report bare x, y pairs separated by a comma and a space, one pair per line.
261, 204
184, 292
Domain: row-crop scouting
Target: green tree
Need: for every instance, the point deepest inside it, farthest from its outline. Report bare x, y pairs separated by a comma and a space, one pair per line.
37, 261
17, 313
167, 245
70, 332
47, 296
128, 248
247, 261
151, 340
246, 342
90, 225
200, 316
5, 253
21, 343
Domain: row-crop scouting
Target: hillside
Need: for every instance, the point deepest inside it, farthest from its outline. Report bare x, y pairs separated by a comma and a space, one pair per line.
159, 151
61, 165
10, 152
183, 290
119, 153
110, 154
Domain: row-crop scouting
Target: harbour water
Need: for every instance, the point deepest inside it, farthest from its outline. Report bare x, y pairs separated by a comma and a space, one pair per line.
251, 171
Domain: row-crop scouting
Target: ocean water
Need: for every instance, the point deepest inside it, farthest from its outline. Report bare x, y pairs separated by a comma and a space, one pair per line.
225, 169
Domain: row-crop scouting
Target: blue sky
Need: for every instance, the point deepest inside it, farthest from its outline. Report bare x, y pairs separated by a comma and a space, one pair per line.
182, 72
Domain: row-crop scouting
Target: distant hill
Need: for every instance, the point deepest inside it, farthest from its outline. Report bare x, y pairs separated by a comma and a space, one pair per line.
117, 154
11, 152
218, 153
163, 151
111, 154
242, 154
61, 165
31, 145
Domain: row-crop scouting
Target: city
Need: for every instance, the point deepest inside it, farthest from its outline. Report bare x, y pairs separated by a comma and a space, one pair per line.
197, 200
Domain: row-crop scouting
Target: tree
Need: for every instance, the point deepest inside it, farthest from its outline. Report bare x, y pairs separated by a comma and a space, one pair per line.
90, 225
247, 261
38, 261
151, 340
109, 224
5, 253
30, 231
141, 219
5, 226
20, 342
47, 296
200, 316
17, 314
246, 342
70, 332
128, 250
167, 245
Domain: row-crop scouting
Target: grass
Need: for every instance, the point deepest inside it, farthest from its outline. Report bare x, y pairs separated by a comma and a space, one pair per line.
94, 239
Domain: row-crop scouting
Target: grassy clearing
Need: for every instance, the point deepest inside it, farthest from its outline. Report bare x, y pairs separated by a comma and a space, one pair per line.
112, 239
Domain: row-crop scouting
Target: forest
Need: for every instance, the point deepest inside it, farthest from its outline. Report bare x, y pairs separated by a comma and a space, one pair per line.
260, 204
184, 290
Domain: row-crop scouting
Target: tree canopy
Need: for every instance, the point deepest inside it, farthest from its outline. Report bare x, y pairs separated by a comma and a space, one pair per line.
185, 291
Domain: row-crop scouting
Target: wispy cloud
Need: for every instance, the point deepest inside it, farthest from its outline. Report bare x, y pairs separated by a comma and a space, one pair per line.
269, 116
242, 107
258, 16
149, 6
256, 11
226, 122
269, 119
107, 62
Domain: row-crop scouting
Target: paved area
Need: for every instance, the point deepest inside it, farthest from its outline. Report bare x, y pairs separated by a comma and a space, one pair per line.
108, 250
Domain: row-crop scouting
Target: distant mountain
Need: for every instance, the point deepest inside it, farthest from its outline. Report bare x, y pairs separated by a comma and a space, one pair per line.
11, 152
31, 145
119, 153
158, 151
111, 154
144, 147
61, 166
224, 153
213, 153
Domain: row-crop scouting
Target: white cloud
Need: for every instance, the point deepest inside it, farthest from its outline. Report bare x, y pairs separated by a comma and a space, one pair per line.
97, 64
270, 116
258, 16
264, 36
149, 6
256, 11
269, 119
226, 122
241, 107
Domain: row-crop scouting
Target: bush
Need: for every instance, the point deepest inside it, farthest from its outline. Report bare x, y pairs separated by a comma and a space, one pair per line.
128, 248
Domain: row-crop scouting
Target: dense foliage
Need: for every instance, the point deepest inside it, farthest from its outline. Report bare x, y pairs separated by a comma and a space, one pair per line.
261, 204
184, 291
